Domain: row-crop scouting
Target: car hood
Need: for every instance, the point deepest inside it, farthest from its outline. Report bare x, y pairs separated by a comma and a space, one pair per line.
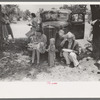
55, 23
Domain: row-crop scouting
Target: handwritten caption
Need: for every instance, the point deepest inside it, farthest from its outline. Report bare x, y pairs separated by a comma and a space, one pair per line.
52, 83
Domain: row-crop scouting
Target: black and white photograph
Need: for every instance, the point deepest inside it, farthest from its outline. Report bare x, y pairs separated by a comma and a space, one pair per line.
42, 43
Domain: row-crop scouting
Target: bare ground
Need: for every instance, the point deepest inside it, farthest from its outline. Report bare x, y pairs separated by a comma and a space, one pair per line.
15, 66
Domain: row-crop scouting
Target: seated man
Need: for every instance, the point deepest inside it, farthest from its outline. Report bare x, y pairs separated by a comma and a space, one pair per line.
70, 49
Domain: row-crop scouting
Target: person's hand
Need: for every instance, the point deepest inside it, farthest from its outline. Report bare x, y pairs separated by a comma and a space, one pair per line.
62, 43
75, 51
93, 22
89, 39
36, 42
47, 50
61, 54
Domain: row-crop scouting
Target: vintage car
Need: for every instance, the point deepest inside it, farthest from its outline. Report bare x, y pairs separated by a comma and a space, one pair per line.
53, 21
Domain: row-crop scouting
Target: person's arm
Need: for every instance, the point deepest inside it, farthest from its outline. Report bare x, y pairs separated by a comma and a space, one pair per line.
63, 42
48, 48
3, 20
93, 22
89, 38
45, 39
34, 23
7, 21
29, 24
76, 48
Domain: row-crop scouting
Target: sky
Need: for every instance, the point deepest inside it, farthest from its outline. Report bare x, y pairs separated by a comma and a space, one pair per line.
35, 8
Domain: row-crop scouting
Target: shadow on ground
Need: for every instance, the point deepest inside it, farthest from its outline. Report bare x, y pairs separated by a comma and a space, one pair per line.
15, 66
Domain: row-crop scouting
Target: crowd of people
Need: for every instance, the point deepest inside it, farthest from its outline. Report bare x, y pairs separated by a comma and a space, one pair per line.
69, 48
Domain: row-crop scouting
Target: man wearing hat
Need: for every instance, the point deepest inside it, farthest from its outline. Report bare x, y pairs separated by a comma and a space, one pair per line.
70, 49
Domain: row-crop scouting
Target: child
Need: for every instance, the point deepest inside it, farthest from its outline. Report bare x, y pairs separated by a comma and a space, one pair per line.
33, 42
41, 47
51, 52
33, 46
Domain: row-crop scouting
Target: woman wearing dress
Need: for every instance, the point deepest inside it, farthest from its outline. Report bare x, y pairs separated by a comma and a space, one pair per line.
4, 28
38, 45
34, 25
9, 27
42, 40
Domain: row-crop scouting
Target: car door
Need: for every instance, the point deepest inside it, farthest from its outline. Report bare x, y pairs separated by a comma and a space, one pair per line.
77, 25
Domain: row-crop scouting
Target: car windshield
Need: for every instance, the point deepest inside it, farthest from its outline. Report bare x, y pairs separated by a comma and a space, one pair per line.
49, 16
63, 16
55, 16
77, 18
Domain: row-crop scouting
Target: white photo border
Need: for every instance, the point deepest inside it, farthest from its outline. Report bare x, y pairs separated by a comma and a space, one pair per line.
43, 89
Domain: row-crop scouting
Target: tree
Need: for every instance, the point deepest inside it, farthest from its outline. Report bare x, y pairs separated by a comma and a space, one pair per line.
12, 11
19, 14
26, 14
75, 8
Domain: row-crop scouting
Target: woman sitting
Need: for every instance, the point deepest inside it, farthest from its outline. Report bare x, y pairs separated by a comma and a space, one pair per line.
70, 49
38, 44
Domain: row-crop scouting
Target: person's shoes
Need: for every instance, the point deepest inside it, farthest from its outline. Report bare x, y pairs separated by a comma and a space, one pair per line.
98, 65
67, 65
38, 64
32, 64
29, 74
13, 41
63, 63
79, 66
52, 66
98, 72
72, 65
29, 62
38, 67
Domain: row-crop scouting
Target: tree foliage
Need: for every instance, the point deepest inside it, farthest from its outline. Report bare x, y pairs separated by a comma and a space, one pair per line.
10, 10
75, 8
13, 11
26, 14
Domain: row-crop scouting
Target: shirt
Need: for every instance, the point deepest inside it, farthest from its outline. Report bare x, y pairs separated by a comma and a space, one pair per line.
69, 45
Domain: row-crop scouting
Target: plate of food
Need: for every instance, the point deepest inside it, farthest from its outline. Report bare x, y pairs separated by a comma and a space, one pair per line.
67, 50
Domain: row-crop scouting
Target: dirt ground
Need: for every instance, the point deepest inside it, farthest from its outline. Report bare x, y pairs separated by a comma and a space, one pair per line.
15, 66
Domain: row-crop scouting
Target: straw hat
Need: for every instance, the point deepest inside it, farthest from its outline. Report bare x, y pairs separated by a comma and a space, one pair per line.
70, 35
